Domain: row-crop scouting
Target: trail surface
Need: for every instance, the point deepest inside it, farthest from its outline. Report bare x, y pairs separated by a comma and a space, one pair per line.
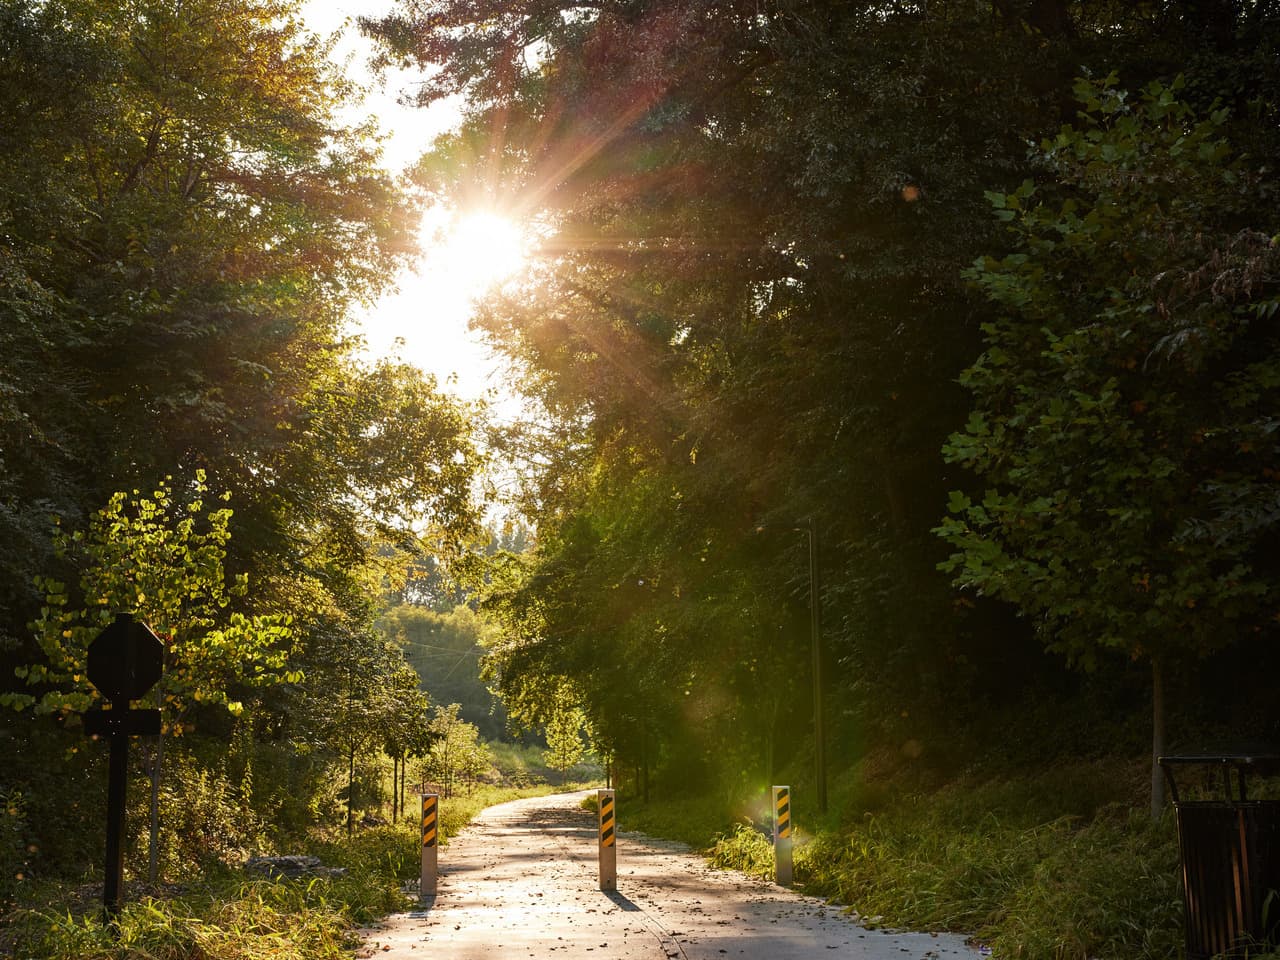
521, 881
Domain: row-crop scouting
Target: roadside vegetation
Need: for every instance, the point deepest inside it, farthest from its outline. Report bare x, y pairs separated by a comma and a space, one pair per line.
218, 911
1063, 863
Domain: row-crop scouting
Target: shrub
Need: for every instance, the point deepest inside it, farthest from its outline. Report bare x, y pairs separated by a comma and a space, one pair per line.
15, 844
204, 819
744, 848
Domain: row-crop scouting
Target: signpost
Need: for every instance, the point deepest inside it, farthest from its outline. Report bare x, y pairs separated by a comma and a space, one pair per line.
782, 873
125, 661
430, 846
608, 841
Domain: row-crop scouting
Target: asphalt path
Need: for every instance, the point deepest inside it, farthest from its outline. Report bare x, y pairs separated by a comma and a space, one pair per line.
522, 881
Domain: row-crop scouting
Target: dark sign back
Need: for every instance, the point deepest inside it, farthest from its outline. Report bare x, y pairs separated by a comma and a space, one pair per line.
125, 660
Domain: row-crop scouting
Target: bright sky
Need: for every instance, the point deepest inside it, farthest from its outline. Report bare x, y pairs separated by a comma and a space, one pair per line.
430, 310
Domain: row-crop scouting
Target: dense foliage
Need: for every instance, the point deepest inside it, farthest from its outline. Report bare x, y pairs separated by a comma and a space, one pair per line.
752, 312
1126, 401
902, 290
445, 648
185, 222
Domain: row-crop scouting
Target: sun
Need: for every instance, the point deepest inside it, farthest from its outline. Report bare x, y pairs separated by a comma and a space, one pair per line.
424, 321
475, 252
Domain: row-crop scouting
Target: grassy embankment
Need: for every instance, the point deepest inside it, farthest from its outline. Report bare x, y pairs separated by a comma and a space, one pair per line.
525, 765
1064, 863
229, 917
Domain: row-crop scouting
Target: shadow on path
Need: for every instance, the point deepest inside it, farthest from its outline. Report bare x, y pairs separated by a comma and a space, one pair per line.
621, 901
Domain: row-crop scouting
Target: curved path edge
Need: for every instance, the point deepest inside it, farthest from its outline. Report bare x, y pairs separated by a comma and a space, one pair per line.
521, 881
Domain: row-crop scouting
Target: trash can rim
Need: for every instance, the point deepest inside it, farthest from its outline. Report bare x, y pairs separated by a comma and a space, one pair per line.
1225, 804
1237, 759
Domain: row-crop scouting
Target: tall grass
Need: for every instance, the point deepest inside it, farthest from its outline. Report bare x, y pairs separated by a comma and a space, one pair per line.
252, 920
231, 918
1060, 865
688, 818
744, 848
524, 765
1062, 889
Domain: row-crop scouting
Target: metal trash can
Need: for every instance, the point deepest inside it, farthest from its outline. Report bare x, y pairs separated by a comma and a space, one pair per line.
1230, 851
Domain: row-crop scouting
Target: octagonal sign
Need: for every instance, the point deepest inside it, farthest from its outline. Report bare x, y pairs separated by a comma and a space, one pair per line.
125, 660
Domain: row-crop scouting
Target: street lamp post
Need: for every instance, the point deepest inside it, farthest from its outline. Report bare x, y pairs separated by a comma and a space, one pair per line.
815, 632
815, 626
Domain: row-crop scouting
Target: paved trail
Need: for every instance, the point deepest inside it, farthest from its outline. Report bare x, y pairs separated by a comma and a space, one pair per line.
521, 882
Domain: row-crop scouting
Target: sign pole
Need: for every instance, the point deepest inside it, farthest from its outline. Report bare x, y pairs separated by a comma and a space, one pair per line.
123, 662
430, 846
608, 841
117, 781
782, 836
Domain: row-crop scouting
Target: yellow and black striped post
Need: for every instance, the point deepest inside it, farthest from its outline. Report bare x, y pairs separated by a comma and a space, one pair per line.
782, 835
430, 844
608, 841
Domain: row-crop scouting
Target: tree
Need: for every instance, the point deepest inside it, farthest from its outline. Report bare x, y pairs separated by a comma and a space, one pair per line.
149, 556
750, 312
405, 727
565, 746
185, 224
444, 587
164, 562
48, 73
186, 220
1124, 409
456, 752
445, 649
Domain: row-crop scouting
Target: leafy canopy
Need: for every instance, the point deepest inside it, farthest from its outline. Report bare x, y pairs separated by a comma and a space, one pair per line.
456, 752
164, 562
1124, 409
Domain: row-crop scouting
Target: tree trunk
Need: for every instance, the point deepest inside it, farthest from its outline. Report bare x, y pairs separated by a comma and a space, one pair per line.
395, 789
1157, 738
351, 792
644, 760
768, 756
404, 775
153, 839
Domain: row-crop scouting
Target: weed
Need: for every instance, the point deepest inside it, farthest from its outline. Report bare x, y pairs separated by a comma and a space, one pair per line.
744, 848
231, 918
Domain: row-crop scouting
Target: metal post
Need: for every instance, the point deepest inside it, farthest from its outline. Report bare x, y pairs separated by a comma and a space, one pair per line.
430, 847
815, 624
117, 781
608, 841
782, 836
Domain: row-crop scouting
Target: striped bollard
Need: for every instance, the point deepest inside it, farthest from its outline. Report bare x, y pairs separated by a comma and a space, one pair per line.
430, 835
782, 836
608, 841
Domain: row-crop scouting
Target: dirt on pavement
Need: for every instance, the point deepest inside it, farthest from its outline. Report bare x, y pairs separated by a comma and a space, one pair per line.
522, 881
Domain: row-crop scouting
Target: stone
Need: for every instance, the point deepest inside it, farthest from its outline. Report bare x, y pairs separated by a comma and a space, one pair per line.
292, 866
